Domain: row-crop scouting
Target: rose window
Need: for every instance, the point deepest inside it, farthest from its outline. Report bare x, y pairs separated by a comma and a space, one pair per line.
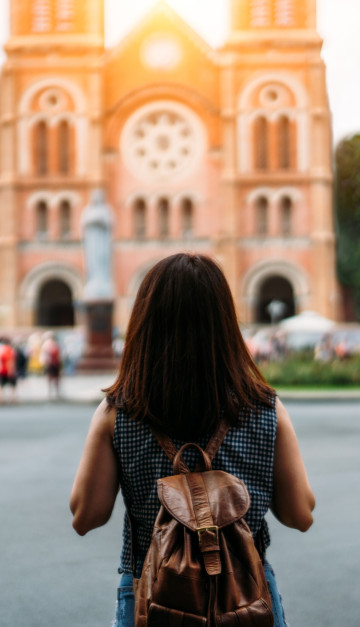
51, 100
162, 141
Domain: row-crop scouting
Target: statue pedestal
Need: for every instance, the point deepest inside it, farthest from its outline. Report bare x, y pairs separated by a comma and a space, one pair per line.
98, 355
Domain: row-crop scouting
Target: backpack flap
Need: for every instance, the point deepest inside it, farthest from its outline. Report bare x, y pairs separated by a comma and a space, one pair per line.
204, 502
227, 496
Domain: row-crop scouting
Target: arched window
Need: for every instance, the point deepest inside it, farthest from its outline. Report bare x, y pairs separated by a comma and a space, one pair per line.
65, 219
261, 143
140, 218
260, 13
64, 147
163, 212
65, 15
284, 13
41, 148
42, 19
262, 215
187, 217
284, 143
41, 219
285, 215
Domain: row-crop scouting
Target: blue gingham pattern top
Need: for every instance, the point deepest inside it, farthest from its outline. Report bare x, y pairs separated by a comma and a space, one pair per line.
247, 452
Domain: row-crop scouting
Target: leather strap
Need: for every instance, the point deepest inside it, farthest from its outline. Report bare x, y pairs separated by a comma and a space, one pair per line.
207, 531
177, 459
211, 449
217, 439
169, 448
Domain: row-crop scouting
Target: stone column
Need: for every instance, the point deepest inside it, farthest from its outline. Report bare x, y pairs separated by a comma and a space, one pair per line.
98, 298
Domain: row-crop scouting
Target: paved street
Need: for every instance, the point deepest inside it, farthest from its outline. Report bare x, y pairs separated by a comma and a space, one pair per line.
318, 572
51, 576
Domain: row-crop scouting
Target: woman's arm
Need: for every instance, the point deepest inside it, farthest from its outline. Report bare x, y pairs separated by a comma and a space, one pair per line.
96, 482
293, 499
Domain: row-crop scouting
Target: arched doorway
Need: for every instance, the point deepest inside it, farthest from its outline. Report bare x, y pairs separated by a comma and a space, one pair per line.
54, 305
274, 288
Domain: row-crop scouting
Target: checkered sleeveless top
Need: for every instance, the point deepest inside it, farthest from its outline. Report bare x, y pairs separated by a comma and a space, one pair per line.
246, 452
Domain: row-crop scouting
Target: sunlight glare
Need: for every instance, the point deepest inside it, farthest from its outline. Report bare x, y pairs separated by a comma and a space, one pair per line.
209, 18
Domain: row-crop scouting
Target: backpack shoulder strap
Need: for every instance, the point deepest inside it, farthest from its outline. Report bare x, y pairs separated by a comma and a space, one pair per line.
169, 448
217, 439
211, 449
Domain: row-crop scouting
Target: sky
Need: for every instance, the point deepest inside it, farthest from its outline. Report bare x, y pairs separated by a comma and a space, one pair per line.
338, 22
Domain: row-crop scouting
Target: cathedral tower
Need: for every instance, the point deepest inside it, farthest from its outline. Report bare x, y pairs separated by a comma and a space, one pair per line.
51, 106
277, 172
273, 14
69, 21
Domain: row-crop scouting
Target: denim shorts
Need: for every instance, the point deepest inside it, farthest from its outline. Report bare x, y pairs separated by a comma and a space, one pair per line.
276, 599
125, 600
125, 605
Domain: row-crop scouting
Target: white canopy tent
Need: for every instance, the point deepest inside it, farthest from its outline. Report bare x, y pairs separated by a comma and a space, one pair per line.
307, 321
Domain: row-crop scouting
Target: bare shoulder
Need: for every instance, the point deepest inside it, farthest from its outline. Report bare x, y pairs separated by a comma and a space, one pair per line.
283, 418
280, 409
104, 418
286, 439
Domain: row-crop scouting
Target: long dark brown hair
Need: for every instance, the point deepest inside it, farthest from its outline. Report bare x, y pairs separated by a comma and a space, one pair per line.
185, 362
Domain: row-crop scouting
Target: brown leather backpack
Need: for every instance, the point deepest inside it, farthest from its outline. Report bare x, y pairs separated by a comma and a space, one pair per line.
202, 567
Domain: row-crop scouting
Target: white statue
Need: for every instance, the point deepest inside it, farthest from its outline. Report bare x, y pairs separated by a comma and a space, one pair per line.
276, 310
96, 222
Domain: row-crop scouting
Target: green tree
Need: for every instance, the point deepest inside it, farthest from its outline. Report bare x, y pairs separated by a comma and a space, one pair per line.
347, 203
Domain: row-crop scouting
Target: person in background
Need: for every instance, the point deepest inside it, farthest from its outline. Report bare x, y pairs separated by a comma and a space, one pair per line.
51, 361
69, 354
32, 352
8, 373
324, 350
185, 368
342, 349
21, 359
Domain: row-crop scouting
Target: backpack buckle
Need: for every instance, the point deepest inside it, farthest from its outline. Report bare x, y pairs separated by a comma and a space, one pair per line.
201, 530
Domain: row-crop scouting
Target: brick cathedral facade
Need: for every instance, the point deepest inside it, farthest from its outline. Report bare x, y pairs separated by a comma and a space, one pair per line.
226, 152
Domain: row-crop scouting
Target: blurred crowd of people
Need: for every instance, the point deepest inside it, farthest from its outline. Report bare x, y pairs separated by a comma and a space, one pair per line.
38, 354
264, 346
41, 353
326, 350
274, 345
